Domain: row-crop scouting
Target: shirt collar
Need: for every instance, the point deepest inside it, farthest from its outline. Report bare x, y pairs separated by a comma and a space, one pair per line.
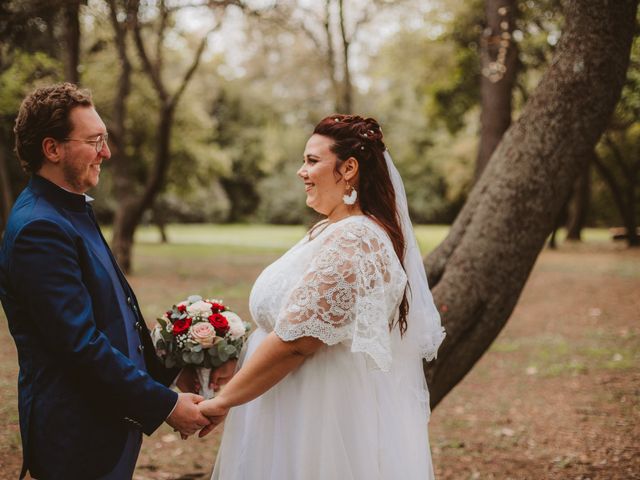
59, 195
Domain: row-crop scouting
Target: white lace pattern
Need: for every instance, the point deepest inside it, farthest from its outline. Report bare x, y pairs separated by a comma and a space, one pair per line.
343, 286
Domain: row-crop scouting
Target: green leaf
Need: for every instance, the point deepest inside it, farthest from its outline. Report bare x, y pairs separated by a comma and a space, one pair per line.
168, 337
197, 357
223, 355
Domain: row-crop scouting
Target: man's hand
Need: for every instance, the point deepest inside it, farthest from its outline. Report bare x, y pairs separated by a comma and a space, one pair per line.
222, 374
186, 417
187, 381
215, 411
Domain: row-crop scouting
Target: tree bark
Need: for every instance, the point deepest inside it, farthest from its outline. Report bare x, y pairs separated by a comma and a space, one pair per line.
499, 57
71, 12
478, 272
579, 206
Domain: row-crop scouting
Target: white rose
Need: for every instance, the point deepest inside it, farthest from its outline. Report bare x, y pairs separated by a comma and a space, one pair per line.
203, 333
199, 309
236, 325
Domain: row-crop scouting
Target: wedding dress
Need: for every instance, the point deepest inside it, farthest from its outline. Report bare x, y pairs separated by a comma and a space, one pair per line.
358, 409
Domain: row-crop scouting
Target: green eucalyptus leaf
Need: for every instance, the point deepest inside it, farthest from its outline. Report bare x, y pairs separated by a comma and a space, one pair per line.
223, 355
197, 357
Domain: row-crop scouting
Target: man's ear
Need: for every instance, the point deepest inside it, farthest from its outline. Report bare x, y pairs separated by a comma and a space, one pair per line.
350, 169
52, 149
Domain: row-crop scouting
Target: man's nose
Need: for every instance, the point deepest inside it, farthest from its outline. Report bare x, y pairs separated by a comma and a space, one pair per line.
105, 153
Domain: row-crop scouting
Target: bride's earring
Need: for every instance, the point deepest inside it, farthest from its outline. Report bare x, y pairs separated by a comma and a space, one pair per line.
350, 199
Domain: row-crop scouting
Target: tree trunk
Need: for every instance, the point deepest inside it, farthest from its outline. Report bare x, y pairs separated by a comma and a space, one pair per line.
71, 14
626, 206
124, 186
132, 208
579, 206
347, 88
130, 211
633, 240
499, 57
478, 272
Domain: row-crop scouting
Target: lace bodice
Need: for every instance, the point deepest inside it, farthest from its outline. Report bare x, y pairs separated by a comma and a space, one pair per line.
345, 285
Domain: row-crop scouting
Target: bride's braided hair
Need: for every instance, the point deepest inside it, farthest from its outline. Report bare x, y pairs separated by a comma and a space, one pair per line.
361, 138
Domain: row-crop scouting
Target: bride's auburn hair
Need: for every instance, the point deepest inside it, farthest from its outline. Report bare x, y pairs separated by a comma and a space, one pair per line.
361, 138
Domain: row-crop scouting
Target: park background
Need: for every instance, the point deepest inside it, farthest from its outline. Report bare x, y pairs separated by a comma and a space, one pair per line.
209, 104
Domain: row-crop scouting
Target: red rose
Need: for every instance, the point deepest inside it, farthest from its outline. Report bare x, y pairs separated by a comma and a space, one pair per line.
182, 308
217, 307
219, 323
181, 326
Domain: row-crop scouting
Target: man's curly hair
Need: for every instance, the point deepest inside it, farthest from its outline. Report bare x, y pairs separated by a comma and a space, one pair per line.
45, 113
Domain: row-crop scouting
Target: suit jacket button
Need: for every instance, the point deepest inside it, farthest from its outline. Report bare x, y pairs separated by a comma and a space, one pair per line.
141, 348
138, 326
129, 300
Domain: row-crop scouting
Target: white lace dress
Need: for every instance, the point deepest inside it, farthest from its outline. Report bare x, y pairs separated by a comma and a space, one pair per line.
358, 408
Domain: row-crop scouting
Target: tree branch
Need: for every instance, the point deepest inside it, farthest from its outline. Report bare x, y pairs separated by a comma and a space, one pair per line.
162, 26
149, 68
194, 66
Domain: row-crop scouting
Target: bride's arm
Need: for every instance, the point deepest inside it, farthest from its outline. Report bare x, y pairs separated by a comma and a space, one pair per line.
273, 360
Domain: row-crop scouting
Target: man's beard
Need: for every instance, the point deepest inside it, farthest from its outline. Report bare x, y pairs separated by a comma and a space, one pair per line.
72, 174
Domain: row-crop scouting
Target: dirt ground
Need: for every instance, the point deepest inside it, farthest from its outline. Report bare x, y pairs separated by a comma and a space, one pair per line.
557, 396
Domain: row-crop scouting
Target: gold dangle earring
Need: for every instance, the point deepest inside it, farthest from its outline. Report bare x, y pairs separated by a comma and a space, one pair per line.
350, 198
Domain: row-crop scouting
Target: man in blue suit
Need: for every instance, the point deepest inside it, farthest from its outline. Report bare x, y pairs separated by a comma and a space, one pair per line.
89, 381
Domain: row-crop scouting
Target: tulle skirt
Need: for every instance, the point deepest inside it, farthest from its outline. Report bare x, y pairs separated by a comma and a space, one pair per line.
335, 418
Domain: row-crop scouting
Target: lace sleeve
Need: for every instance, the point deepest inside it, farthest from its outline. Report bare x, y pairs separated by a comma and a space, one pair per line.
349, 292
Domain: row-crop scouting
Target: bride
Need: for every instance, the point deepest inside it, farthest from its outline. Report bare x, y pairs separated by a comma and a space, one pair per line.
331, 385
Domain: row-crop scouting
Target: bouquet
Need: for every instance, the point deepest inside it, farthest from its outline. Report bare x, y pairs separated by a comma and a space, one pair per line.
200, 333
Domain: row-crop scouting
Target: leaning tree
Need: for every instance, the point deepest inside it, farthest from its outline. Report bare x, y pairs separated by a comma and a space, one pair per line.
479, 270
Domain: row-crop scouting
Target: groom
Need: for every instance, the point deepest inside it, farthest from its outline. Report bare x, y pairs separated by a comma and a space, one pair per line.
89, 381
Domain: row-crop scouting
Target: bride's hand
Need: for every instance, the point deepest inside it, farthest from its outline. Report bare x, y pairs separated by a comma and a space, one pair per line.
215, 411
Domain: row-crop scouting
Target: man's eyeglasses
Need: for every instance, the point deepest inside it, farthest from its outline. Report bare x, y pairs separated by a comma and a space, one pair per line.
98, 143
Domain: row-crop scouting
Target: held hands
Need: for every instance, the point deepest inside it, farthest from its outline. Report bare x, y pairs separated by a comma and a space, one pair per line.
187, 421
215, 411
186, 417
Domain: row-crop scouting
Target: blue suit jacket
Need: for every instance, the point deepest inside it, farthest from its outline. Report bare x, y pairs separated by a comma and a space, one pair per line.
79, 392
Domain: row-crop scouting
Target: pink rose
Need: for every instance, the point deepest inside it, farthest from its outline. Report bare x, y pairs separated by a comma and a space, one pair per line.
204, 333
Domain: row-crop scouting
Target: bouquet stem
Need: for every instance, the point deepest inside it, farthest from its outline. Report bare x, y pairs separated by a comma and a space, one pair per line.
203, 377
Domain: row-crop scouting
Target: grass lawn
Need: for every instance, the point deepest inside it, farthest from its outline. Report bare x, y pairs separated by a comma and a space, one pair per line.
556, 396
